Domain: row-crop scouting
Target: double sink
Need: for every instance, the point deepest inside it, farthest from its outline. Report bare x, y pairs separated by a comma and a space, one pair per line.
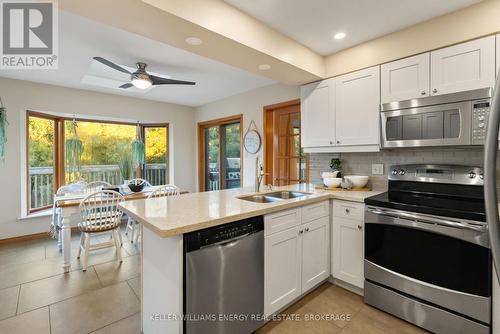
274, 196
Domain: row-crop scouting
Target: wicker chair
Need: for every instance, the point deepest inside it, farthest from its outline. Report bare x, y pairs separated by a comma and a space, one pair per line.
100, 214
166, 190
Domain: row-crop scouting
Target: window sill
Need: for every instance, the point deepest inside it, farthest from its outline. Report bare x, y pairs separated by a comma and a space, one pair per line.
39, 214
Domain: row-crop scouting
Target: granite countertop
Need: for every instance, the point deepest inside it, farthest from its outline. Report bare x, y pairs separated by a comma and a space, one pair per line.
169, 216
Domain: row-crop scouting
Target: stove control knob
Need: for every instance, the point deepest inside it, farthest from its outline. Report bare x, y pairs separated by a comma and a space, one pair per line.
394, 172
472, 175
402, 172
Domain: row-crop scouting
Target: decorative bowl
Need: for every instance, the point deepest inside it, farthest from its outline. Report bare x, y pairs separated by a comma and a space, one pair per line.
325, 175
357, 181
136, 187
332, 182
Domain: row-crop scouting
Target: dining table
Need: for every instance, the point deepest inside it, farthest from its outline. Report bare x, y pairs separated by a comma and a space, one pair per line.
67, 214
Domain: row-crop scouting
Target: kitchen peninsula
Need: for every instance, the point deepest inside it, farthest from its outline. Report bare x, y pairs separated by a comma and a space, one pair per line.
166, 220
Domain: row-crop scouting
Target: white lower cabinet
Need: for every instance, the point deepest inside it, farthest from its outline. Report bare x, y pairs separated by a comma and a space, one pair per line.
315, 253
296, 259
282, 258
348, 243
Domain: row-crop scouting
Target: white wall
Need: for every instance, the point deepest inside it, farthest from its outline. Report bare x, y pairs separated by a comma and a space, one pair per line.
19, 96
251, 105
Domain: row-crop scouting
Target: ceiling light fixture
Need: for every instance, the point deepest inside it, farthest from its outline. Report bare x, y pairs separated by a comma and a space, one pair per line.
194, 41
264, 67
339, 35
141, 83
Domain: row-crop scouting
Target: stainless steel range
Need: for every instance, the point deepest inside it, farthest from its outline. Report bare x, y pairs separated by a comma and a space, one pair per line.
427, 252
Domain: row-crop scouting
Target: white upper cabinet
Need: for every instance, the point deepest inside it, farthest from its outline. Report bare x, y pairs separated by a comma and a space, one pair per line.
317, 115
405, 79
463, 67
357, 108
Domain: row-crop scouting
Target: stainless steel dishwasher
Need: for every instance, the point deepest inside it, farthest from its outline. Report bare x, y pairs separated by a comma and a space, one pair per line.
224, 278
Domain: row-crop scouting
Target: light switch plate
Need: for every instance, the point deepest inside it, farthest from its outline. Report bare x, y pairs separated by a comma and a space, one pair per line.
377, 169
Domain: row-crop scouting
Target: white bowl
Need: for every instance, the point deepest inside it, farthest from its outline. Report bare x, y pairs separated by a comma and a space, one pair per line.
332, 182
325, 175
357, 181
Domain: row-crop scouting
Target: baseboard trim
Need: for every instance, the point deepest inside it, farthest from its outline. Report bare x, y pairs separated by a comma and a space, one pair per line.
30, 237
346, 286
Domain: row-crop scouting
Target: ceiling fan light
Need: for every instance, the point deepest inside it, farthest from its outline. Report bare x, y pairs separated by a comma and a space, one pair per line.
141, 83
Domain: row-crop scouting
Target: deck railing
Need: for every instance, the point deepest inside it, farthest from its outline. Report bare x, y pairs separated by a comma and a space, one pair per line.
42, 179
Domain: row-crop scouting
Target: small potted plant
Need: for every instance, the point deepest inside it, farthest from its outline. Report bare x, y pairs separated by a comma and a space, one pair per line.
336, 166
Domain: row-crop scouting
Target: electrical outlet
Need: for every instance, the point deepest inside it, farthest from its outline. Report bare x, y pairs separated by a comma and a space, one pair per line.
377, 169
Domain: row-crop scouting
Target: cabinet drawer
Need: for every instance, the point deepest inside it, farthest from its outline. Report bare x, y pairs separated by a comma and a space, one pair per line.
315, 211
348, 210
281, 221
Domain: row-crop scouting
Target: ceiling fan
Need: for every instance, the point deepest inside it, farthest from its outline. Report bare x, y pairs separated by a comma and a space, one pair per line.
140, 78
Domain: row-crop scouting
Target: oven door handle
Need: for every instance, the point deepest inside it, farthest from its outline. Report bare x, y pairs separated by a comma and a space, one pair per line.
426, 219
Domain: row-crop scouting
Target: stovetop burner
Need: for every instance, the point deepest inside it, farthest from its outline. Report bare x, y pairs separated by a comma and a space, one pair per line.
423, 189
455, 207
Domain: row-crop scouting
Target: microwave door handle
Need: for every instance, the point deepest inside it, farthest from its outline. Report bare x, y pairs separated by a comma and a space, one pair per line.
490, 178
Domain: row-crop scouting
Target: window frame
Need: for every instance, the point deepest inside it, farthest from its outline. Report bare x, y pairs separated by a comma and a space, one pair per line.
59, 149
142, 132
57, 156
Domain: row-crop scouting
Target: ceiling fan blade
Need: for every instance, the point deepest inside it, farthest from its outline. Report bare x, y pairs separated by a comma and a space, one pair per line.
164, 81
112, 65
125, 86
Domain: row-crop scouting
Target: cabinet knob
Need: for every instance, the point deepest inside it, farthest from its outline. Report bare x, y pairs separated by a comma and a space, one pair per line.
301, 231
360, 227
331, 142
434, 90
347, 210
307, 229
423, 92
338, 141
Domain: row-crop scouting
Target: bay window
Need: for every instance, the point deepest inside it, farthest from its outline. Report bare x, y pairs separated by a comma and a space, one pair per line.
105, 154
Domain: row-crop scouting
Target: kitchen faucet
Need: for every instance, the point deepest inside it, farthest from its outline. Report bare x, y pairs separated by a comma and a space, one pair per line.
259, 174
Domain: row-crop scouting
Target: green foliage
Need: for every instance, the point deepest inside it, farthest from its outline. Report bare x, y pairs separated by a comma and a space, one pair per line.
126, 167
101, 143
3, 131
232, 142
156, 145
336, 164
41, 139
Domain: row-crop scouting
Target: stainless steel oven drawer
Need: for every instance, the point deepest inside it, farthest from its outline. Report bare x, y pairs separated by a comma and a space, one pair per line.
426, 316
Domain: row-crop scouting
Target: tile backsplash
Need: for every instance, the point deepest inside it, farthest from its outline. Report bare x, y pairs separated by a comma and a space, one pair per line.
361, 163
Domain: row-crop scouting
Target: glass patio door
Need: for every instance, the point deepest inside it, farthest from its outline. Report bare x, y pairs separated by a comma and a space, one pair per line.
221, 155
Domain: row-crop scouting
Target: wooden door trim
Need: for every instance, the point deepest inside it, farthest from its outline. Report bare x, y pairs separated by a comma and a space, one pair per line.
268, 142
201, 145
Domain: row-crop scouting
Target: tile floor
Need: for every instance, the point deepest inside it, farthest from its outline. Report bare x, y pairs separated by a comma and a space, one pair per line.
37, 297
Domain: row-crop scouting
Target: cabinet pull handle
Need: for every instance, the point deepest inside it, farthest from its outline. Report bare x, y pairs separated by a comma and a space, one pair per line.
422, 92
360, 227
307, 229
301, 231
434, 90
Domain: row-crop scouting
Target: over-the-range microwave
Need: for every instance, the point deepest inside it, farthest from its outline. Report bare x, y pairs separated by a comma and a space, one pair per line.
443, 120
